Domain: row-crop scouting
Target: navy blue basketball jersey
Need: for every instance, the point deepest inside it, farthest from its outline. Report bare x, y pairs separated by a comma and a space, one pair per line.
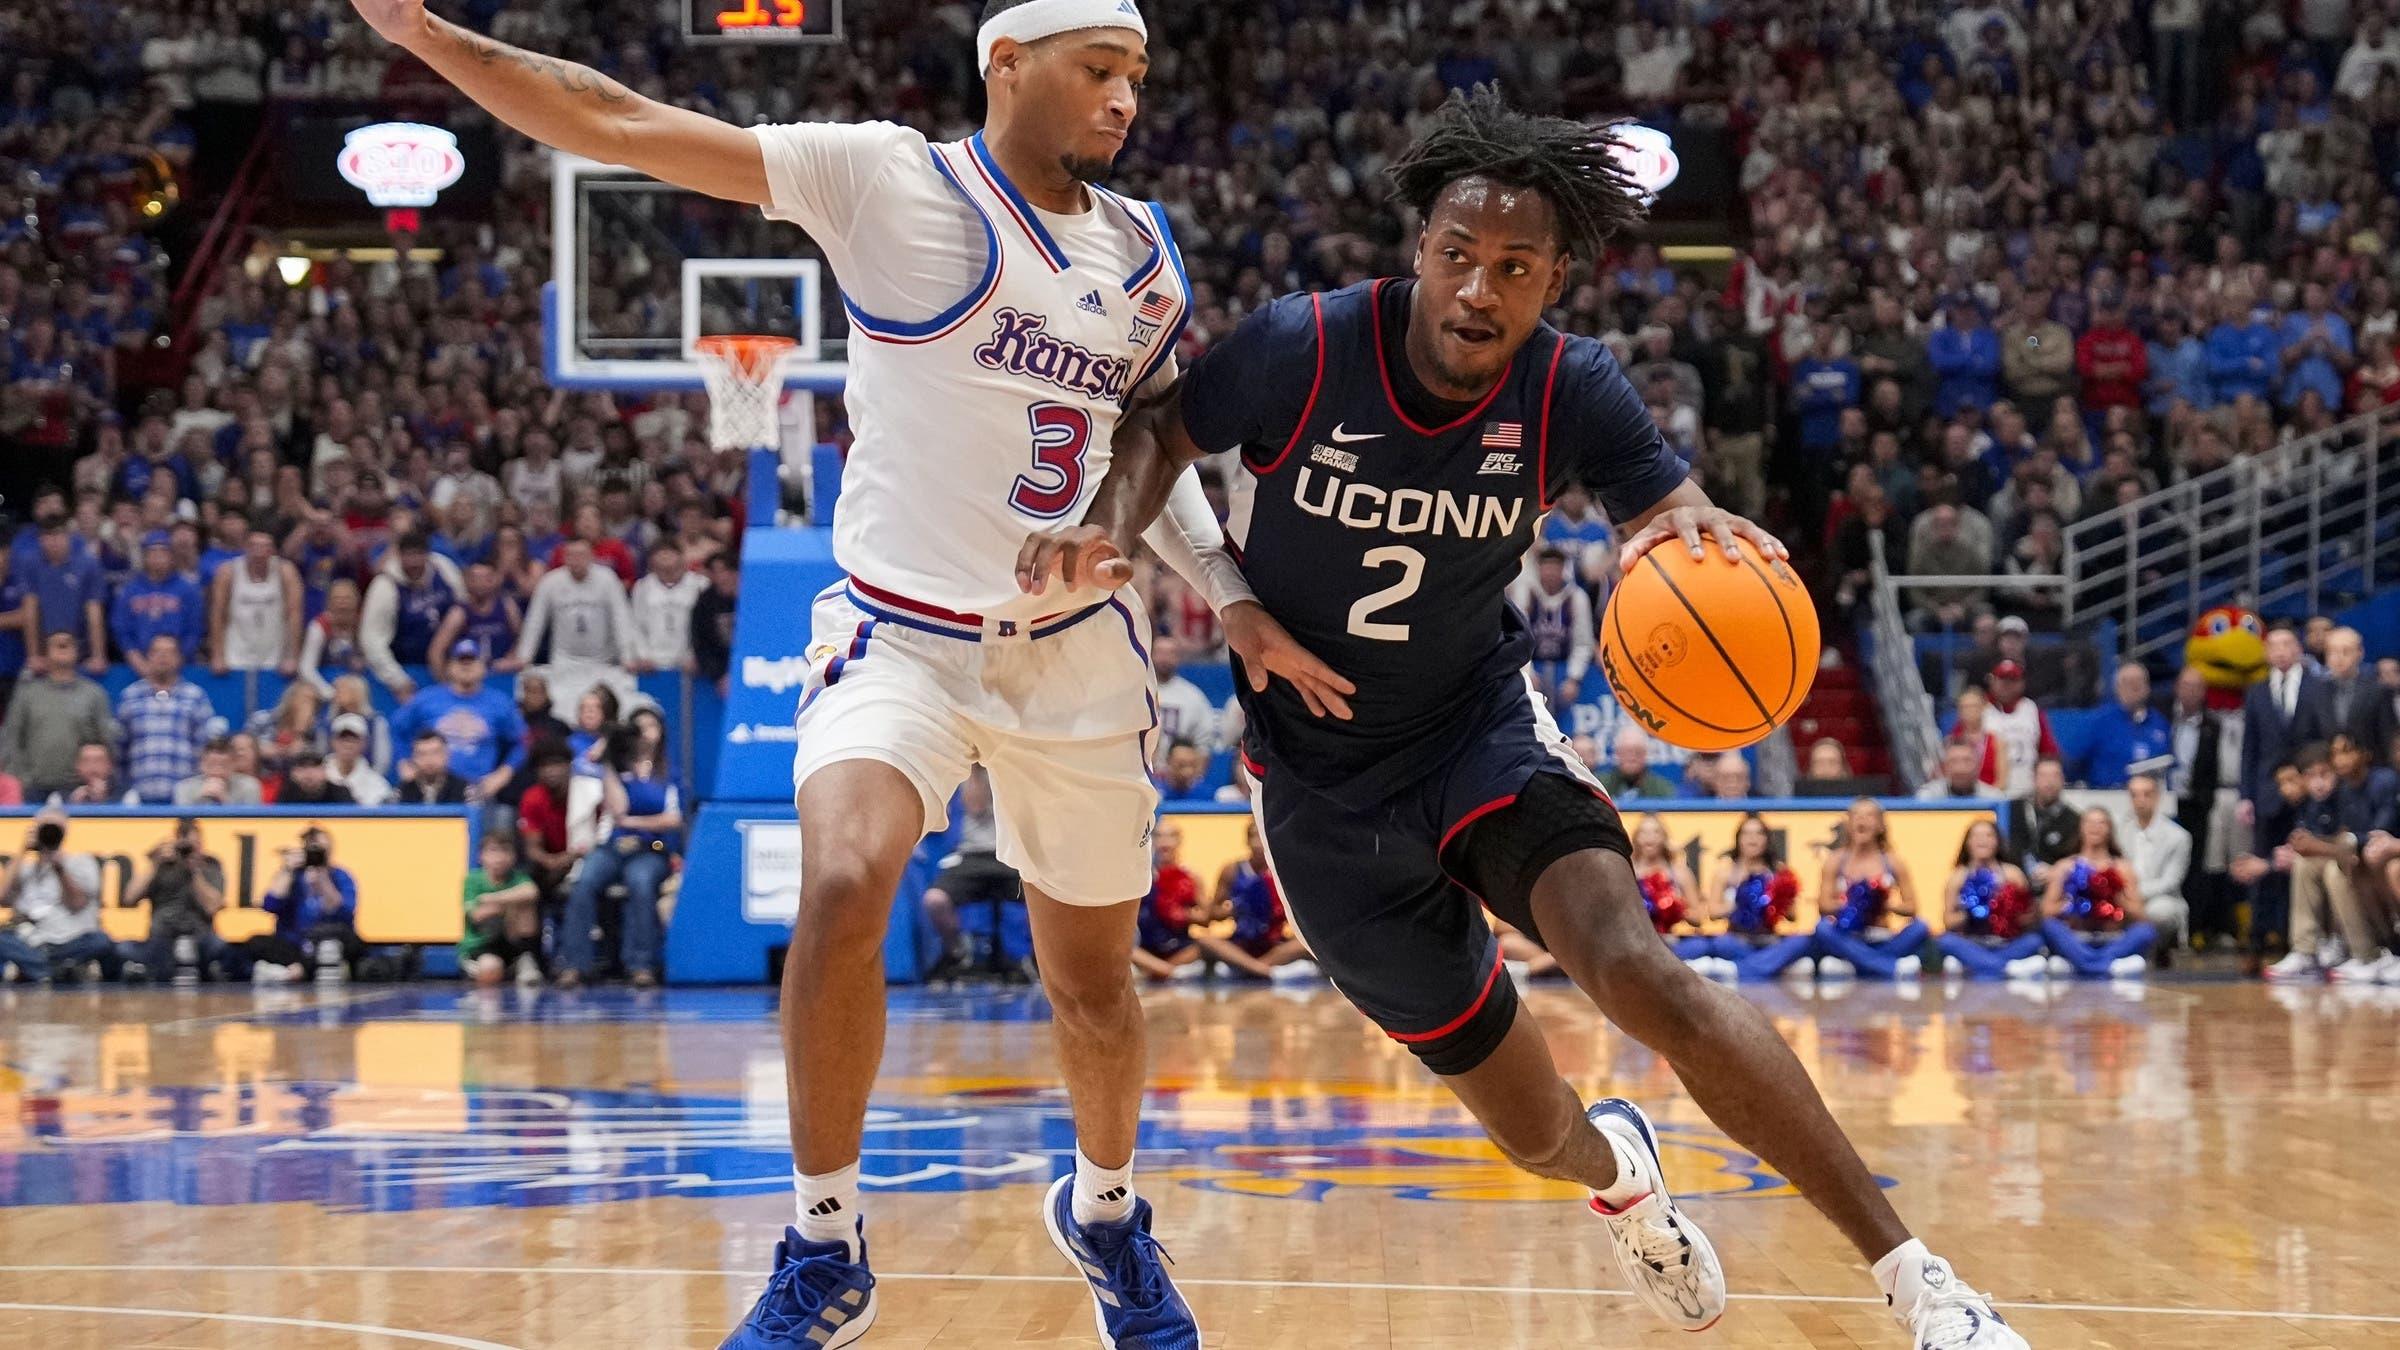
1386, 526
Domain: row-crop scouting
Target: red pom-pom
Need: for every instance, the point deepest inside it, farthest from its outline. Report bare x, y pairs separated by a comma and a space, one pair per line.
1664, 903
2104, 886
1782, 890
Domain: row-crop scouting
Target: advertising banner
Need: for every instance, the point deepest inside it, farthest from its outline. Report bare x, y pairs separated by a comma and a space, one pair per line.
782, 572
411, 865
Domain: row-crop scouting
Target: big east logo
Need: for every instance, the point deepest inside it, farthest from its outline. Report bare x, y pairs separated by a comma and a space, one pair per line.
400, 163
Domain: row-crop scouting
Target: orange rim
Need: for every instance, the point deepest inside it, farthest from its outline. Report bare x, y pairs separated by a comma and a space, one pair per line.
750, 355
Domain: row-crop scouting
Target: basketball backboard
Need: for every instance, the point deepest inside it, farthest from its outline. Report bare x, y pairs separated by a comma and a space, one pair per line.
641, 270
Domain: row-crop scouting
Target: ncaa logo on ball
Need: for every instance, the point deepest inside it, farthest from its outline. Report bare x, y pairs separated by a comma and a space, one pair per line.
1664, 649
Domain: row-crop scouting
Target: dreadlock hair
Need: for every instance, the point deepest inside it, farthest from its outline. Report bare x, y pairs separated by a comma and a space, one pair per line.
1571, 164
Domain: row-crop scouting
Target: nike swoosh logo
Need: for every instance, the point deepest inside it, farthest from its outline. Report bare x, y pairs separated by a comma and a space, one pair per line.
1342, 438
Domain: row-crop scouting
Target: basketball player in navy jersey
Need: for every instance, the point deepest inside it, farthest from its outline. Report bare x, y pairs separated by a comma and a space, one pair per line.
1406, 434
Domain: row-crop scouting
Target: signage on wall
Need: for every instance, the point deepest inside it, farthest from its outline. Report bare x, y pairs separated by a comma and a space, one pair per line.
401, 163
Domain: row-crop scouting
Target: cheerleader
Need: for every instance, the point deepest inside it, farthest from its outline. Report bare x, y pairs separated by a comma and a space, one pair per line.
1754, 896
1667, 889
2094, 909
1864, 889
1992, 930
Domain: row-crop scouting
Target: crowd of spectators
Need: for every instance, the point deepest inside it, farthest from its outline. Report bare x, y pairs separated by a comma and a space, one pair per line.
1975, 297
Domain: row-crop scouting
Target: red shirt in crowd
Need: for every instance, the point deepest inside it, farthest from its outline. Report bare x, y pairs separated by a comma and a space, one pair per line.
1173, 893
544, 818
2114, 365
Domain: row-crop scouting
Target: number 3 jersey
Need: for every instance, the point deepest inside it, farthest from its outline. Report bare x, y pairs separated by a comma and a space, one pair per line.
1385, 526
993, 346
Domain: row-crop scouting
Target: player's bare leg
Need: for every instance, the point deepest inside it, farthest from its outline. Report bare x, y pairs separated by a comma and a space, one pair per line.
859, 820
1093, 1216
1727, 1054
1588, 908
1096, 1018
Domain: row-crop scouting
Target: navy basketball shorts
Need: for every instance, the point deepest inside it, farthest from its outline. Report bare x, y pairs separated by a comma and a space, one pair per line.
1390, 899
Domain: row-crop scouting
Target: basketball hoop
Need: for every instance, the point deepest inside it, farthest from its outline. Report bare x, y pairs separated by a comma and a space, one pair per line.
744, 375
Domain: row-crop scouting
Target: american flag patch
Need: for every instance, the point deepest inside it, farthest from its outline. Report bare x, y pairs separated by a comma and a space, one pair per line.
1155, 306
1506, 435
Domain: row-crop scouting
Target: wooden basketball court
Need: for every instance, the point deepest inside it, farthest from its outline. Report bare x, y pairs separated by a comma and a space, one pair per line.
2171, 1165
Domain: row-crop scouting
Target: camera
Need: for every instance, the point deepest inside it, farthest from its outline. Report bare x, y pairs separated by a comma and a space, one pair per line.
48, 835
185, 848
313, 855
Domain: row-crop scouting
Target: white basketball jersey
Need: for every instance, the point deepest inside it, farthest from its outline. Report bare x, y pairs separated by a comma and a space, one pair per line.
992, 418
254, 617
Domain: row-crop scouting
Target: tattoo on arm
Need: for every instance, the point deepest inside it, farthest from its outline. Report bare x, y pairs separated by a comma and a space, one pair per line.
575, 79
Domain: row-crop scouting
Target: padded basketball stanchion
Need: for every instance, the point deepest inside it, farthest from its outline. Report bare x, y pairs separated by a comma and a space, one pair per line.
744, 374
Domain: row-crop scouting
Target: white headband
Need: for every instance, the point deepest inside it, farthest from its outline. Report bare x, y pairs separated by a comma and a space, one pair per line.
1043, 18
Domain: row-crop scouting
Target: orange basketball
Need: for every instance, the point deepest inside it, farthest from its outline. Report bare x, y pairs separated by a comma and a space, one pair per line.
1713, 654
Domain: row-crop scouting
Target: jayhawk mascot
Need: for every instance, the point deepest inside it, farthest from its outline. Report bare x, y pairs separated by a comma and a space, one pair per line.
2228, 646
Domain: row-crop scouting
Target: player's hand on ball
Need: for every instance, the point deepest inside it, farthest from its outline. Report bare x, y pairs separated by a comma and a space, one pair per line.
1268, 649
1082, 555
1693, 525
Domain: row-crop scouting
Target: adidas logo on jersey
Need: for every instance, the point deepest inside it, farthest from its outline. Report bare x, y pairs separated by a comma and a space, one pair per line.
1499, 463
1090, 303
1334, 459
1126, 7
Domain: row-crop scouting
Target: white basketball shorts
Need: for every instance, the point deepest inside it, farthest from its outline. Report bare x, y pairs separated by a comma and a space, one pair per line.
1058, 712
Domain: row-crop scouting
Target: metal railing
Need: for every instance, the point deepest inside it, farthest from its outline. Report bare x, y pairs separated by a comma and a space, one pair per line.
2310, 526
1910, 723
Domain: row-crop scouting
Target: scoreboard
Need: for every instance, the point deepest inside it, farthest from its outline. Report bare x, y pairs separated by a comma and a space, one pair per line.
763, 21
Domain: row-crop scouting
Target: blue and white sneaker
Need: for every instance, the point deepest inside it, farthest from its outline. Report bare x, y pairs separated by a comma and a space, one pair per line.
1942, 1312
817, 1299
1666, 1258
1133, 1302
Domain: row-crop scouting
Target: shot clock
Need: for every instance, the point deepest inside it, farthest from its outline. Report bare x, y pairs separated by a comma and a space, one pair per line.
764, 21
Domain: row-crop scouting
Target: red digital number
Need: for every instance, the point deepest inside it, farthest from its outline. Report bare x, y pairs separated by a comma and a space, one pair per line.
1061, 434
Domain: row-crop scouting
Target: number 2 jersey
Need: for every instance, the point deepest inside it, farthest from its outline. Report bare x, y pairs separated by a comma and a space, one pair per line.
993, 347
1386, 525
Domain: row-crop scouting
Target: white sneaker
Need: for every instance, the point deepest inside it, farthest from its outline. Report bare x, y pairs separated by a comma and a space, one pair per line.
2061, 968
2332, 952
1942, 1313
2387, 971
1664, 1256
267, 972
1835, 968
1800, 971
2294, 966
2356, 970
1293, 972
529, 972
2028, 967
1908, 968
2128, 967
1190, 970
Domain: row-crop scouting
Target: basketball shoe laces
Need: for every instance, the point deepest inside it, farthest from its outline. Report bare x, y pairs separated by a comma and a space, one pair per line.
1134, 1264
799, 1292
1951, 1317
1660, 1244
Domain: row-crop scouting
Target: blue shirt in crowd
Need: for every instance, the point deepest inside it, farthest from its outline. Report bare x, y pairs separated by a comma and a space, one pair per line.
2123, 744
482, 729
146, 608
1967, 360
2179, 371
1821, 390
2242, 359
2315, 371
300, 911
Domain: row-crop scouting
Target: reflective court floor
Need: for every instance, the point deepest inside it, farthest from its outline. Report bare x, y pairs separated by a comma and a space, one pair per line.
2171, 1165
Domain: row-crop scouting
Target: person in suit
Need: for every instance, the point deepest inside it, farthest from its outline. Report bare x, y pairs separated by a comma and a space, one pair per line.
2349, 701
2279, 714
2200, 759
2042, 828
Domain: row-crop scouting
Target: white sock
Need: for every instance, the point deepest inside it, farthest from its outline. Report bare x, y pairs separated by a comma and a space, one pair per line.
1904, 1262
828, 1206
1634, 1179
1102, 1194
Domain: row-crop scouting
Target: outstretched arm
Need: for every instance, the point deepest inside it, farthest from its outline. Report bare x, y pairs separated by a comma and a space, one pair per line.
1149, 452
577, 109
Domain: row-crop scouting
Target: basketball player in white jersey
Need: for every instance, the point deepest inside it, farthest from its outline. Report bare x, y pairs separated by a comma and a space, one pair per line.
254, 609
1004, 308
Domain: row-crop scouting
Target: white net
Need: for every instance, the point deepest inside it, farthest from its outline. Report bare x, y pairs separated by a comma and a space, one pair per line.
745, 389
